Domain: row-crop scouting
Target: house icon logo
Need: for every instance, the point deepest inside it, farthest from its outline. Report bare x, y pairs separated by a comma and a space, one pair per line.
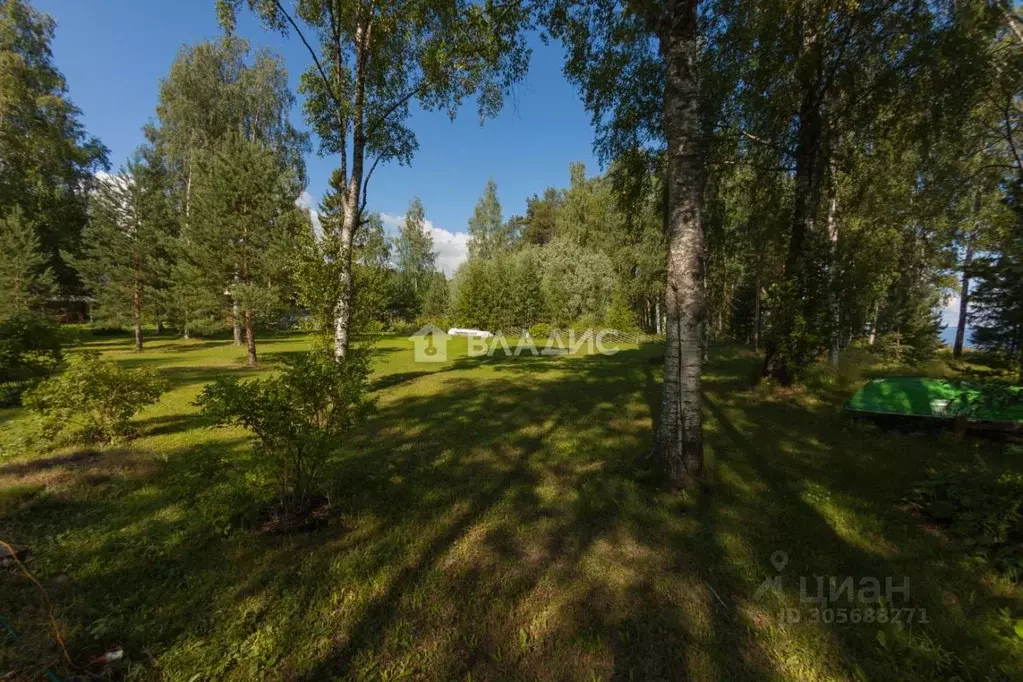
430, 344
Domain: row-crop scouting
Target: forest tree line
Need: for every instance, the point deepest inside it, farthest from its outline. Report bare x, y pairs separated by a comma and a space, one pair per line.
792, 174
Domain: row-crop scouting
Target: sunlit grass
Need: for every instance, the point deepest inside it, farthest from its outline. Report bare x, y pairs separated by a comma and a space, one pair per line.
497, 518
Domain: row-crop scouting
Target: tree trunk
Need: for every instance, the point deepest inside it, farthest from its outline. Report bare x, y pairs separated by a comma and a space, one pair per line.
352, 195
756, 313
873, 324
343, 310
789, 348
679, 445
136, 309
834, 300
964, 302
250, 337
1019, 351
236, 326
964, 289
186, 331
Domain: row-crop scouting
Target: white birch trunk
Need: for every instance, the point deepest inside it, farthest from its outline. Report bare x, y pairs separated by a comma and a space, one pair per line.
680, 440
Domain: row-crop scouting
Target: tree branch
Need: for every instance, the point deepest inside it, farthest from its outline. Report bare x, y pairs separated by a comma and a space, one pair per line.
312, 52
365, 183
404, 99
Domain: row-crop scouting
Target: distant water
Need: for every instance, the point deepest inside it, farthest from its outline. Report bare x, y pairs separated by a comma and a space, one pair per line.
948, 336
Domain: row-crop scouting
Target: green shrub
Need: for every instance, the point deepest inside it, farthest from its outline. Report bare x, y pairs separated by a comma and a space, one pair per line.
584, 324
299, 417
30, 349
620, 316
983, 509
540, 330
93, 400
891, 350
437, 321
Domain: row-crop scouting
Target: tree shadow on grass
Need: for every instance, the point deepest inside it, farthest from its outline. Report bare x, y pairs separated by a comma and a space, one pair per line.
504, 522
825, 493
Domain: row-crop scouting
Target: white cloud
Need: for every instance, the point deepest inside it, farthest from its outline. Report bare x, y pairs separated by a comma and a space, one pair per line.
308, 201
452, 248
950, 313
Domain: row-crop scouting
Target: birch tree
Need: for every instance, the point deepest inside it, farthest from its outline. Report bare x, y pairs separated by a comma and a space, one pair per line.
371, 61
636, 64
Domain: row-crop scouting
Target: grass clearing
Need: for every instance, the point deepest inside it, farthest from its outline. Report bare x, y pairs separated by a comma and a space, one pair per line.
500, 520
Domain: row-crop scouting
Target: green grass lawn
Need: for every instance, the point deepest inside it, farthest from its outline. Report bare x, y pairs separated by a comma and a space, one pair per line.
499, 519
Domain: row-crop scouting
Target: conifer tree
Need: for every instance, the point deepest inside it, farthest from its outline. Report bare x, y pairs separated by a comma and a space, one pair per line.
124, 244
243, 206
414, 257
47, 160
25, 279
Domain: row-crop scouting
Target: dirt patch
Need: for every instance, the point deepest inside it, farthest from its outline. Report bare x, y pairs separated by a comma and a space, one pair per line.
278, 520
76, 458
923, 520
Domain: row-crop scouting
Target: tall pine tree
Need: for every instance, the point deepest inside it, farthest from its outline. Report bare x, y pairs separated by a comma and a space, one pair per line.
242, 220
124, 244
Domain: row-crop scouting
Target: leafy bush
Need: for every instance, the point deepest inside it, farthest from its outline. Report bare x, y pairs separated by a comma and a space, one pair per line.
299, 417
94, 400
540, 330
983, 508
584, 324
30, 349
437, 321
620, 316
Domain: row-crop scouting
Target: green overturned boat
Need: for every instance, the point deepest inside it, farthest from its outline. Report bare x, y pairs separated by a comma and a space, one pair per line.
973, 404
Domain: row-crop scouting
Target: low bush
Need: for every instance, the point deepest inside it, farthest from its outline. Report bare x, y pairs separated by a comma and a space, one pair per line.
620, 316
982, 508
93, 400
442, 323
540, 330
30, 350
299, 417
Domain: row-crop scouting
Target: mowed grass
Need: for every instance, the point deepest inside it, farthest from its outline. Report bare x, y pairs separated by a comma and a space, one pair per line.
499, 518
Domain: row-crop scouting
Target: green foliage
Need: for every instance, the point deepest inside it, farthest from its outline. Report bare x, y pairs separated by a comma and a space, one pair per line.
434, 57
30, 349
215, 90
619, 316
540, 330
541, 217
890, 349
300, 417
998, 294
559, 283
49, 161
576, 281
984, 509
437, 303
244, 225
489, 235
25, 280
415, 260
93, 400
124, 258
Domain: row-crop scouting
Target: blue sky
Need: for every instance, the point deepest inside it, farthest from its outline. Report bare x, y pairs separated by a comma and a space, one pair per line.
114, 53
